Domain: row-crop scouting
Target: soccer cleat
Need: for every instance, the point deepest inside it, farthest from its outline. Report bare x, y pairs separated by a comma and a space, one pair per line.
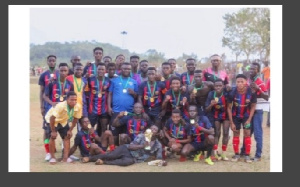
256, 159
182, 158
235, 158
52, 161
223, 157
209, 161
247, 159
215, 158
48, 157
99, 162
197, 157
74, 158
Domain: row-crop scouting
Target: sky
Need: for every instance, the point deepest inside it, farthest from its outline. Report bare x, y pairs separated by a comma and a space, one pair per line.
173, 31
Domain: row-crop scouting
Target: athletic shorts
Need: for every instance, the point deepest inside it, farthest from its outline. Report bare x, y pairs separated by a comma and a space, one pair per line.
240, 122
94, 118
60, 129
198, 146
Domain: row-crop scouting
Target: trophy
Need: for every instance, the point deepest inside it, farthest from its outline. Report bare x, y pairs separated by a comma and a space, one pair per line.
148, 135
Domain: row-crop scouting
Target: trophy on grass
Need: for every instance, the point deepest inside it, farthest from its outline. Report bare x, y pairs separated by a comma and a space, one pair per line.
148, 135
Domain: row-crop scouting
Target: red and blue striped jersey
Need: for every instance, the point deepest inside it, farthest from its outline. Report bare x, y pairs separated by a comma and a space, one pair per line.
241, 103
134, 126
98, 105
84, 140
173, 101
44, 79
197, 136
177, 131
90, 70
185, 80
219, 110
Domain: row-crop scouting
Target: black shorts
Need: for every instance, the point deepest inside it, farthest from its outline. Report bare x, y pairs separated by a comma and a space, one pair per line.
94, 118
221, 120
198, 146
240, 122
61, 130
116, 130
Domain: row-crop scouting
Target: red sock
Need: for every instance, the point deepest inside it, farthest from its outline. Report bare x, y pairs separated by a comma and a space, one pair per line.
224, 147
102, 152
236, 143
182, 158
47, 148
112, 147
215, 147
247, 145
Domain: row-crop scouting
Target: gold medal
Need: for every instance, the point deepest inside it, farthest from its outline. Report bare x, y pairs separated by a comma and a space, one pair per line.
88, 145
195, 91
162, 79
89, 126
99, 95
192, 121
216, 99
152, 99
61, 98
125, 113
56, 96
124, 90
94, 92
131, 131
146, 97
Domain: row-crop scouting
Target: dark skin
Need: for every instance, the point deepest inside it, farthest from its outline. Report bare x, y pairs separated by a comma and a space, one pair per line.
75, 59
191, 66
78, 71
111, 71
175, 86
219, 89
106, 60
176, 147
105, 139
119, 61
166, 71
216, 62
71, 101
134, 64
144, 68
254, 87
63, 73
173, 66
98, 56
241, 88
188, 148
200, 97
126, 69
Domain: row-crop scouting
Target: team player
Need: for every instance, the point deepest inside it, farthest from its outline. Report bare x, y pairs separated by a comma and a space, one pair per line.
172, 62
134, 61
143, 70
74, 60
91, 68
187, 78
120, 59
241, 106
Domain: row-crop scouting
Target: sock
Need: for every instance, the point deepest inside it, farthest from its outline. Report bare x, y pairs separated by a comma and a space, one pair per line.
102, 152
224, 148
215, 147
112, 147
236, 143
247, 145
209, 149
182, 158
46, 144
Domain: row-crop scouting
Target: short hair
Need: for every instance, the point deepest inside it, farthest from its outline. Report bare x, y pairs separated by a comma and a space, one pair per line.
256, 64
190, 59
241, 76
120, 55
101, 64
176, 111
71, 93
134, 56
78, 64
219, 80
126, 63
51, 56
166, 63
111, 64
144, 61
215, 55
151, 68
171, 59
97, 48
107, 57
62, 64
198, 71
174, 78
73, 56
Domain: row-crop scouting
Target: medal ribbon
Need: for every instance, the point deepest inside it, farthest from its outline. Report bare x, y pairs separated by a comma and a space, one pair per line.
70, 113
98, 86
178, 99
199, 88
215, 74
122, 82
188, 79
149, 88
176, 130
62, 91
215, 94
78, 88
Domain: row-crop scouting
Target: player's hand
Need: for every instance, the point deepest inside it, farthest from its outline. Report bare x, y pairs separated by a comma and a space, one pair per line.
213, 102
168, 98
69, 134
184, 100
110, 111
161, 114
233, 127
88, 63
130, 91
254, 86
54, 104
91, 130
42, 111
183, 88
173, 140
53, 135
121, 114
161, 134
228, 87
158, 77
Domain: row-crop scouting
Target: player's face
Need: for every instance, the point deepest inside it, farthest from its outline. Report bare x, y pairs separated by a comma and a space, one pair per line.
63, 71
218, 86
166, 69
51, 62
193, 112
198, 78
85, 123
78, 70
144, 67
151, 75
154, 129
72, 100
173, 64
240, 83
134, 62
138, 108
101, 71
126, 69
215, 61
253, 70
98, 54
190, 65
75, 59
111, 71
120, 60
176, 117
106, 61
175, 85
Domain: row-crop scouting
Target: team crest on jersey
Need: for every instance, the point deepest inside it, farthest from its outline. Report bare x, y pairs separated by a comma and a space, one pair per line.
131, 131
236, 104
218, 106
130, 83
56, 96
146, 97
94, 92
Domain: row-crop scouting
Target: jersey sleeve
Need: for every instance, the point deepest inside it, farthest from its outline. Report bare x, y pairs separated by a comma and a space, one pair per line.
209, 98
42, 80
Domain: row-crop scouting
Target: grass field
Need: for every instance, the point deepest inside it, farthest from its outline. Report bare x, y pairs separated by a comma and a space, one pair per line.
37, 152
